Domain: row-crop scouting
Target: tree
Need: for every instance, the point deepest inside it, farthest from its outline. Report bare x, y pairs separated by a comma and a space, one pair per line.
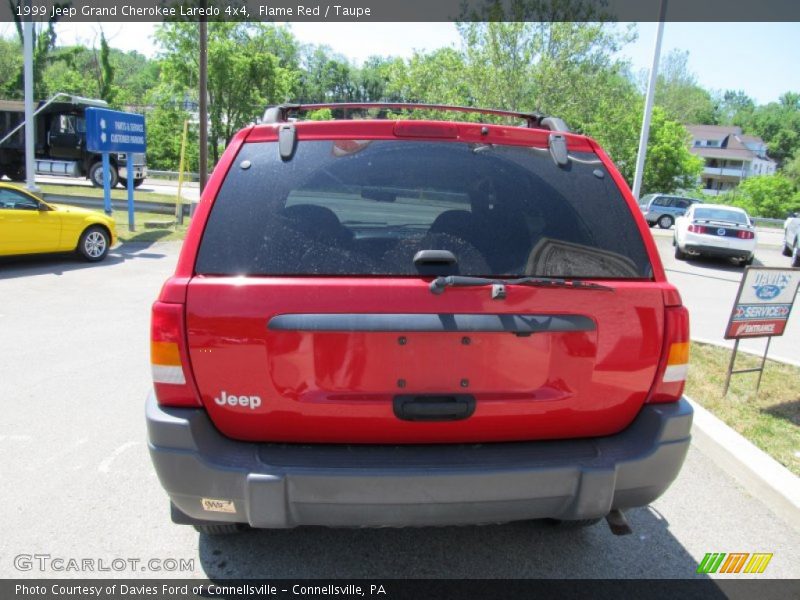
436, 77
734, 106
778, 124
105, 72
248, 68
10, 67
374, 77
135, 77
669, 165
791, 169
44, 42
325, 77
164, 135
768, 196
549, 67
678, 93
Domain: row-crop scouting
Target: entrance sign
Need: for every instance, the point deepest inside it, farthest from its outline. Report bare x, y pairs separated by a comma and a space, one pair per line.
115, 131
761, 309
764, 303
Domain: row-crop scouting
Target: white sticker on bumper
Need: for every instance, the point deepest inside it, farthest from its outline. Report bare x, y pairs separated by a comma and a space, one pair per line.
217, 505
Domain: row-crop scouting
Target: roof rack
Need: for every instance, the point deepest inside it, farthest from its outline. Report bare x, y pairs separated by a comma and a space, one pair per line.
281, 112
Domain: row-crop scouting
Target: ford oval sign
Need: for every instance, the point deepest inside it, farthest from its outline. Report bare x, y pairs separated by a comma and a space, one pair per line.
767, 292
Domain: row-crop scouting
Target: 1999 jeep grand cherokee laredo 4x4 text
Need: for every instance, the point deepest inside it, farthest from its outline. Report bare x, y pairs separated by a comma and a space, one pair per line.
400, 322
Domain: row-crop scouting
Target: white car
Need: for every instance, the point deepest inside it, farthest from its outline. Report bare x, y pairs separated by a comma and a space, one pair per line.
791, 239
715, 230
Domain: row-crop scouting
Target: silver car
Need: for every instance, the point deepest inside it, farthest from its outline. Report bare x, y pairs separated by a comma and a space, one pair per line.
663, 209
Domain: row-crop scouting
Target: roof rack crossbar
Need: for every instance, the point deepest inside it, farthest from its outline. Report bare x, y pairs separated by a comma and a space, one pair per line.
281, 112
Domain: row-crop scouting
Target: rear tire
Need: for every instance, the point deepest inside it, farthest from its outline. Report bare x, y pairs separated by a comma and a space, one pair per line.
748, 261
221, 529
94, 243
136, 182
96, 175
796, 254
665, 221
679, 254
787, 249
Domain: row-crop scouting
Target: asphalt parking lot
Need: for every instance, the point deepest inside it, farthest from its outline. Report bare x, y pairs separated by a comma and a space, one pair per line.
77, 481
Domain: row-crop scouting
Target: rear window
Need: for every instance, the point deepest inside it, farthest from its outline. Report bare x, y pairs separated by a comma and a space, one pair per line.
645, 200
720, 214
351, 207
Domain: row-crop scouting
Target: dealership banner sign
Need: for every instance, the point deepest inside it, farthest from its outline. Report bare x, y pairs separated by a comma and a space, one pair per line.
764, 302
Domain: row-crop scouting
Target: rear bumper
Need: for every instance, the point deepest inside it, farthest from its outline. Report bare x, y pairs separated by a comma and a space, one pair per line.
717, 251
286, 485
139, 172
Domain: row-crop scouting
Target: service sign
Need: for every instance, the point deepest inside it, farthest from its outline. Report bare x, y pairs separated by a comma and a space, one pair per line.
114, 131
764, 302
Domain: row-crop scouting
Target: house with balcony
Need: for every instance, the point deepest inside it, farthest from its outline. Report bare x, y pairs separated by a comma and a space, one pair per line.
729, 156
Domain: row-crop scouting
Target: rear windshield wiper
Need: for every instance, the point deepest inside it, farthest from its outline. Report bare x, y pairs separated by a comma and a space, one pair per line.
439, 284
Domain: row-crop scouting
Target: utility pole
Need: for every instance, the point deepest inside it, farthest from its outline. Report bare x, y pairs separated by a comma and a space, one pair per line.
30, 124
648, 104
203, 101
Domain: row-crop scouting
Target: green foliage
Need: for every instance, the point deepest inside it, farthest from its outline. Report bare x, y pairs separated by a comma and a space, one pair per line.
250, 65
10, 67
326, 77
164, 134
791, 169
669, 165
768, 196
734, 106
556, 57
778, 124
678, 93
323, 114
107, 90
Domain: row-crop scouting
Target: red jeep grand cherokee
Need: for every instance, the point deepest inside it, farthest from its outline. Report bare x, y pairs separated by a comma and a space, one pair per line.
400, 322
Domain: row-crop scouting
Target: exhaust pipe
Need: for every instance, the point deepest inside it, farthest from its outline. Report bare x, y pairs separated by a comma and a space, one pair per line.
617, 523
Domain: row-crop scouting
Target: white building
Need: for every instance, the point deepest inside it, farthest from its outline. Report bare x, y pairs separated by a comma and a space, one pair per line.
729, 156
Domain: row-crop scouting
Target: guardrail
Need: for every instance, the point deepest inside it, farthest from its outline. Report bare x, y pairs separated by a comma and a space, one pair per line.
173, 175
161, 208
771, 223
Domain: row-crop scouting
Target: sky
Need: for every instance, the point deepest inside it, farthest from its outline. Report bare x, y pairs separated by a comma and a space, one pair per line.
763, 59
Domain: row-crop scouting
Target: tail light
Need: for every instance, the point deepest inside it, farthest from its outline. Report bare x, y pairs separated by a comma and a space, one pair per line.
168, 357
698, 228
674, 364
745, 235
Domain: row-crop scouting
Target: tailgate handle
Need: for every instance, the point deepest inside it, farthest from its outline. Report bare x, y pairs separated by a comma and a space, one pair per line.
436, 262
434, 257
434, 408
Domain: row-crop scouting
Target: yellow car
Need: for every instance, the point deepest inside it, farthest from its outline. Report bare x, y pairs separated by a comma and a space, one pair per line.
29, 225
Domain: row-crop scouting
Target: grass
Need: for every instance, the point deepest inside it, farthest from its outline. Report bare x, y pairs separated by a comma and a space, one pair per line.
93, 192
142, 234
769, 418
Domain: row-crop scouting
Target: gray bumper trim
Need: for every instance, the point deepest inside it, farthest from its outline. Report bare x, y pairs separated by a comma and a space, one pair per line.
285, 485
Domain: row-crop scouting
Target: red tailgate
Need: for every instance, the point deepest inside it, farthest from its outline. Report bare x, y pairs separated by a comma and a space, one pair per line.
336, 379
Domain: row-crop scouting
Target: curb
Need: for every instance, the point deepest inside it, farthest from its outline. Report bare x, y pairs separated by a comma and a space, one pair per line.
760, 474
